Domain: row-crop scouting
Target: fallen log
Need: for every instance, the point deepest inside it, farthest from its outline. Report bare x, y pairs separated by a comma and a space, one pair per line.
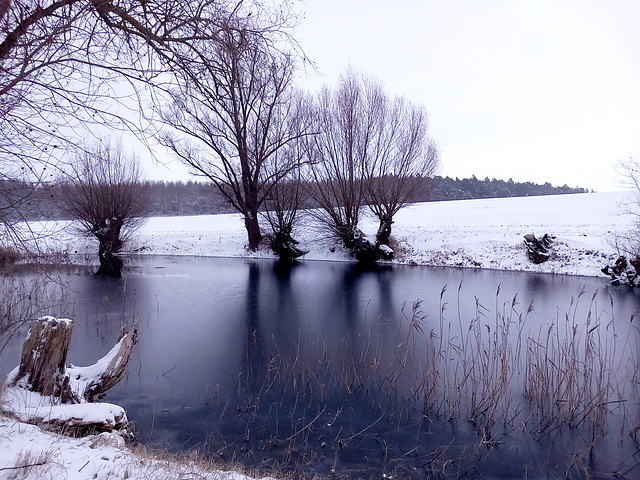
80, 419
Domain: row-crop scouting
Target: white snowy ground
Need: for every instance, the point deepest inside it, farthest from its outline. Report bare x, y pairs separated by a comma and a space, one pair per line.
28, 452
468, 233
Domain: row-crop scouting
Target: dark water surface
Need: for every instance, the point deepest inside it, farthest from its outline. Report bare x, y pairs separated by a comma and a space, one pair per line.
320, 367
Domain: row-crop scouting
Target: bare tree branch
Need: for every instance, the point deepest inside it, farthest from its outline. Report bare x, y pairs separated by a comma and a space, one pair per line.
344, 118
235, 115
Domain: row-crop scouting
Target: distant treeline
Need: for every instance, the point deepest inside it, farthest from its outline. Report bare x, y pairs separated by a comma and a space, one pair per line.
468, 188
196, 198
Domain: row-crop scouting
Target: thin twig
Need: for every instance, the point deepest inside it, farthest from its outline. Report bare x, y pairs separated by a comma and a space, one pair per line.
24, 466
170, 370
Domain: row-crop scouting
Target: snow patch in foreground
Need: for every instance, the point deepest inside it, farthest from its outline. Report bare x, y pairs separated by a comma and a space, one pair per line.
28, 452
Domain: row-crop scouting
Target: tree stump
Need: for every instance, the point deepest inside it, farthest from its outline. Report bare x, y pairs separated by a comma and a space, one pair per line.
43, 369
93, 381
44, 356
538, 250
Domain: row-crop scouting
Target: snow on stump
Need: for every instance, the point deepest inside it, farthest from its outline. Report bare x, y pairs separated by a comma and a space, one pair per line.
93, 381
538, 250
43, 370
624, 272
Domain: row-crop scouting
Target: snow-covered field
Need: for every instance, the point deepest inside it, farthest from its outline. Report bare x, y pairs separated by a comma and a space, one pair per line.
470, 233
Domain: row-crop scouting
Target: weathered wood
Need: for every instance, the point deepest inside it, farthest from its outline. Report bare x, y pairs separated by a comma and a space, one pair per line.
43, 369
44, 355
93, 381
538, 250
624, 271
79, 420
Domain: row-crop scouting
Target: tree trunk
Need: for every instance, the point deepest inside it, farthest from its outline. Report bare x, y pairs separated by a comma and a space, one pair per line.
110, 245
384, 231
253, 230
110, 265
44, 356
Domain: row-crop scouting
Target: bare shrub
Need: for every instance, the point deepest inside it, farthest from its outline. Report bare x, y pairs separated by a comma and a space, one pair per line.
629, 242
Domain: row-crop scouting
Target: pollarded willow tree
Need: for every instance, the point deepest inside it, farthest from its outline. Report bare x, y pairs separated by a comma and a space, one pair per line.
283, 204
107, 198
235, 117
370, 150
63, 67
402, 158
345, 120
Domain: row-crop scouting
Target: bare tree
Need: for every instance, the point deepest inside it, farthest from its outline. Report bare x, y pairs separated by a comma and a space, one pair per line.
401, 158
369, 150
233, 116
629, 243
282, 211
108, 200
67, 66
346, 119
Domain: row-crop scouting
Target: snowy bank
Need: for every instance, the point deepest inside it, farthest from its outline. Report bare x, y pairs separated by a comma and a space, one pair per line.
487, 233
28, 452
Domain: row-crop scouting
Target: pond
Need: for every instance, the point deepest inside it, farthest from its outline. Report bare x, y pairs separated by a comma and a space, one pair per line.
326, 368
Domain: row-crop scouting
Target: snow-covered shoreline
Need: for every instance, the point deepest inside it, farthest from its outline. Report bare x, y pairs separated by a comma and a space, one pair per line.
468, 233
485, 233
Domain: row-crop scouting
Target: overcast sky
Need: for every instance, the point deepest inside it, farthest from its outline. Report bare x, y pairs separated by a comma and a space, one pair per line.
531, 90
538, 90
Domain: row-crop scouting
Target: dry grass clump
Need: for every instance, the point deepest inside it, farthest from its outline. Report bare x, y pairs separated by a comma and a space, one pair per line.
161, 465
572, 373
30, 464
470, 367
